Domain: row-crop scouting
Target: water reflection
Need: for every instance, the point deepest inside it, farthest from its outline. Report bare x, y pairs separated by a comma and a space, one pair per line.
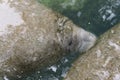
96, 16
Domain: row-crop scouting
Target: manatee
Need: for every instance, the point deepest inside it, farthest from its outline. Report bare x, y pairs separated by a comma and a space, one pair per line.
33, 36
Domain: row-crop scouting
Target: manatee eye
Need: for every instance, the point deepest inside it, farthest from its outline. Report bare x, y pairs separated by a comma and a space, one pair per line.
70, 43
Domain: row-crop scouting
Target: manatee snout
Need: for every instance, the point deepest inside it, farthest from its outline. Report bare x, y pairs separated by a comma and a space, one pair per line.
85, 40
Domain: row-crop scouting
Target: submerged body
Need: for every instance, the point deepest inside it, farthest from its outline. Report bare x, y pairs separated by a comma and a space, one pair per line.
33, 36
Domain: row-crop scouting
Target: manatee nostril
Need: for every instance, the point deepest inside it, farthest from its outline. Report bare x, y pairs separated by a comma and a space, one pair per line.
86, 40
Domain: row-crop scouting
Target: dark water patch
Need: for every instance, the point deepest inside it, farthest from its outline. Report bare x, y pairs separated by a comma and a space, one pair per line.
55, 72
96, 16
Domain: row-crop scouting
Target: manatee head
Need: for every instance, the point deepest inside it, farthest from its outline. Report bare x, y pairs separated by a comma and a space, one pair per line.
74, 38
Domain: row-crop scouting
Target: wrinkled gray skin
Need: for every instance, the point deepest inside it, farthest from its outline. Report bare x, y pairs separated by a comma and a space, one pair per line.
40, 39
103, 62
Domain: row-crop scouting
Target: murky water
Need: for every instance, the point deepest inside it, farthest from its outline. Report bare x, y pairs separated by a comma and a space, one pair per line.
96, 16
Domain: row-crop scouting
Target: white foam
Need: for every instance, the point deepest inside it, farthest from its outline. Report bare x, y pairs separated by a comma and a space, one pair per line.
79, 14
64, 72
5, 78
104, 17
116, 77
103, 75
98, 52
117, 47
54, 68
107, 61
8, 16
112, 15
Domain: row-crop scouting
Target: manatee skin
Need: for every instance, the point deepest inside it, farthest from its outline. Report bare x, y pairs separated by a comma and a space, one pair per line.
33, 36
